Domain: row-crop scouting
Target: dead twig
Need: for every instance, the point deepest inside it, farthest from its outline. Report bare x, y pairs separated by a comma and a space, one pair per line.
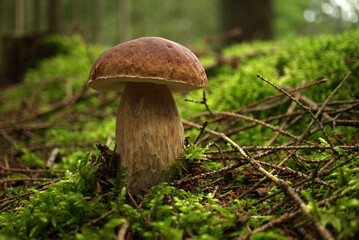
325, 234
51, 160
122, 231
30, 179
275, 129
9, 200
103, 216
285, 218
281, 94
224, 36
96, 220
28, 170
289, 147
284, 122
206, 175
302, 106
204, 102
201, 132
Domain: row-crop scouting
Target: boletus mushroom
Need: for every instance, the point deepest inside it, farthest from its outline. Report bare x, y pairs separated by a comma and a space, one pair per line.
149, 130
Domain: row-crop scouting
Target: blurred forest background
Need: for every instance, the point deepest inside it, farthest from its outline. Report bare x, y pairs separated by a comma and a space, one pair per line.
24, 22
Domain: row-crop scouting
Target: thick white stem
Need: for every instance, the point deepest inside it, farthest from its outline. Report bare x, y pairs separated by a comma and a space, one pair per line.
149, 133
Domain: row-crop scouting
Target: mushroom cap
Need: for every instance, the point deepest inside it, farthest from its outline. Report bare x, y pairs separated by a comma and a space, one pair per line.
148, 59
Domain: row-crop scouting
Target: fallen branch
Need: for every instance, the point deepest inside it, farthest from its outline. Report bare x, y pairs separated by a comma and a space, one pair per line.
28, 170
281, 94
325, 234
302, 106
206, 175
285, 218
285, 147
30, 179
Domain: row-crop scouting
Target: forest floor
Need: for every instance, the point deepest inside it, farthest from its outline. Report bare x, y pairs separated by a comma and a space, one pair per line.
300, 183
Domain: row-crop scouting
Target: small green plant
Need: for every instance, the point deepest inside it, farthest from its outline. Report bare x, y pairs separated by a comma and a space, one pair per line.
191, 153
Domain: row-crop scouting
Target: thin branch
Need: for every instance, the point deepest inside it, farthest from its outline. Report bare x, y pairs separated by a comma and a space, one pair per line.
204, 102
233, 130
51, 160
207, 174
30, 179
28, 170
122, 231
325, 234
284, 122
324, 172
103, 216
289, 147
302, 106
324, 105
201, 132
285, 218
276, 129
281, 94
9, 200
266, 99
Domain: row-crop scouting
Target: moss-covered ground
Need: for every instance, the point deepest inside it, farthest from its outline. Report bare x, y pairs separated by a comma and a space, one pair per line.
257, 164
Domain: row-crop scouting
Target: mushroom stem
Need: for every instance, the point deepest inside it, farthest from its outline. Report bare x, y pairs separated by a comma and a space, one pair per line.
149, 133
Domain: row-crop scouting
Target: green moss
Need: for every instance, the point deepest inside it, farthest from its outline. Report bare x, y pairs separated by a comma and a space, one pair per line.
66, 208
283, 63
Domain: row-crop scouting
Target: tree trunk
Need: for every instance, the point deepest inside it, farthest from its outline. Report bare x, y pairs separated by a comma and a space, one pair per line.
254, 18
19, 53
124, 20
2, 31
55, 16
37, 16
97, 21
2, 21
19, 17
76, 13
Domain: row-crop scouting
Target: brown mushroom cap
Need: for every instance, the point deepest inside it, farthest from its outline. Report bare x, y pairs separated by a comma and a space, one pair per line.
148, 59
